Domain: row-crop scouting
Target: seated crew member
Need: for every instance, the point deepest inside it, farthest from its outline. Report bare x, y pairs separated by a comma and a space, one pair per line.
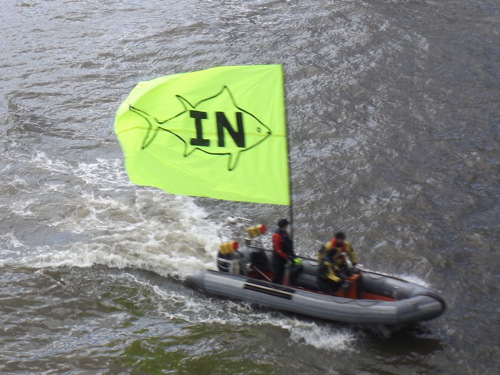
282, 252
340, 245
330, 276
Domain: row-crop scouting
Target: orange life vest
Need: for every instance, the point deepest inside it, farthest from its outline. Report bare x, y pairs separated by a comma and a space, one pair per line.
343, 247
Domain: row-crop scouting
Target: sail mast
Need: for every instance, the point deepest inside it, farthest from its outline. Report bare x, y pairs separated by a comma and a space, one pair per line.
290, 190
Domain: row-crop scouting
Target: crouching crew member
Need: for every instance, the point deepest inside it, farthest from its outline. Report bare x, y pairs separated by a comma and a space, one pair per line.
338, 244
330, 276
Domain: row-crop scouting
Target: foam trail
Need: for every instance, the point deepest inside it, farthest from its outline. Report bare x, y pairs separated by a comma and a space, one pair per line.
205, 310
323, 336
106, 220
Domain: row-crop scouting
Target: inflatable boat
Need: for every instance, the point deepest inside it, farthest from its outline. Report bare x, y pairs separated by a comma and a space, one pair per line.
372, 298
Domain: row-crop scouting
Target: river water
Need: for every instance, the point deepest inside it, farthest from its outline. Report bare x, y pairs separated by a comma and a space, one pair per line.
393, 112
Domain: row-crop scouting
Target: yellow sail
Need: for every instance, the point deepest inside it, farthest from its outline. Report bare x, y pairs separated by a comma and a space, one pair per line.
216, 133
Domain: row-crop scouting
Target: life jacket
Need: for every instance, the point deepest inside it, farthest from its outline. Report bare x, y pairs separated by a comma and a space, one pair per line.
328, 248
345, 248
286, 242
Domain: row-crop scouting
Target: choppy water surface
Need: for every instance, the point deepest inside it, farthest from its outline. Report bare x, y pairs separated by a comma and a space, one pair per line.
393, 115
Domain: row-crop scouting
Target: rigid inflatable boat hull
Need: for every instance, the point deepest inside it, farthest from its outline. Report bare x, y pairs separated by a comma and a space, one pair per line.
417, 303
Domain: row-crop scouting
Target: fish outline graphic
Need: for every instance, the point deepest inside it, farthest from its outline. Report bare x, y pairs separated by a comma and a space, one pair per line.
249, 127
